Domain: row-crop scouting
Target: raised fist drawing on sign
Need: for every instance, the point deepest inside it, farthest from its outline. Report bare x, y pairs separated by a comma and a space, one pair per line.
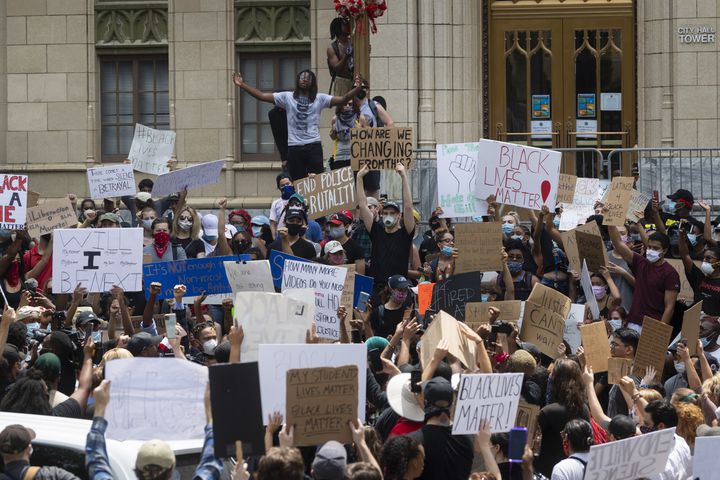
463, 169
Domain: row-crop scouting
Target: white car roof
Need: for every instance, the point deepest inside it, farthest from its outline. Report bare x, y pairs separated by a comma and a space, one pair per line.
72, 433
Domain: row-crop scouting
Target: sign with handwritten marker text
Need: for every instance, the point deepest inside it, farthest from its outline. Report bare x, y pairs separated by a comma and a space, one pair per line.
457, 165
151, 149
13, 201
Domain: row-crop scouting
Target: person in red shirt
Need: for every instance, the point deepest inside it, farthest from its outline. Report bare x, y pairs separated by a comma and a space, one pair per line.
38, 261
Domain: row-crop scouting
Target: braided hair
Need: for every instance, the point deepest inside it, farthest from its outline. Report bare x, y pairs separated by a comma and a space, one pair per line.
396, 455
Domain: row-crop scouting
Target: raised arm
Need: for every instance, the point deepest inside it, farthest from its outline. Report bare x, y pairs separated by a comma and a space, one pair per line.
365, 214
37, 269
222, 243
335, 101
408, 217
384, 116
262, 96
595, 408
82, 392
707, 231
619, 246
685, 252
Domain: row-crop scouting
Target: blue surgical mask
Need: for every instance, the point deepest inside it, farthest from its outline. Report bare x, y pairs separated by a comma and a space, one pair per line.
477, 218
679, 367
514, 267
705, 341
287, 191
31, 327
485, 297
256, 231
209, 238
147, 223
670, 207
447, 251
692, 238
615, 323
556, 221
517, 237
507, 228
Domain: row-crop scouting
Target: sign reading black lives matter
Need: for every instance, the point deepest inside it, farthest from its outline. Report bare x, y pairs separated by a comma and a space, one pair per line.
328, 192
381, 148
97, 259
491, 397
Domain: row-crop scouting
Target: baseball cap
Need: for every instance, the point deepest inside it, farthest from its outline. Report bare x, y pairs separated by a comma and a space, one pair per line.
49, 365
295, 213
155, 452
376, 343
143, 196
522, 361
438, 394
391, 204
209, 224
330, 462
298, 197
230, 231
111, 217
402, 400
260, 220
372, 202
684, 195
333, 246
85, 317
335, 219
140, 341
15, 439
398, 281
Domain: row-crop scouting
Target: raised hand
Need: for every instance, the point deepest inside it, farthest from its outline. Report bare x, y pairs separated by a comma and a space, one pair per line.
237, 79
463, 170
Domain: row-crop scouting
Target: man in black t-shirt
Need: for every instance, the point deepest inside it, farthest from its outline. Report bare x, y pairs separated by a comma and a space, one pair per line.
291, 240
392, 236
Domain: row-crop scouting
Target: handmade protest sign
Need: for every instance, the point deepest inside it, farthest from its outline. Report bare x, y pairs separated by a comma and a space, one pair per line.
686, 291
691, 326
477, 312
272, 318
566, 188
618, 368
456, 173
618, 200
327, 281
568, 220
235, 387
479, 245
320, 402
151, 149
275, 360
158, 318
586, 284
654, 340
641, 456
544, 319
638, 202
444, 326
518, 175
591, 249
49, 216
584, 198
13, 201
453, 293
190, 177
111, 181
328, 192
527, 414
705, 457
347, 299
596, 345
148, 391
277, 262
32, 198
381, 148
252, 276
571, 333
197, 274
97, 259
491, 397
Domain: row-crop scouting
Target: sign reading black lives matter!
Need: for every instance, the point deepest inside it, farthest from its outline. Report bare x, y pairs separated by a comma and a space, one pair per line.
13, 201
491, 397
111, 181
381, 148
97, 259
328, 192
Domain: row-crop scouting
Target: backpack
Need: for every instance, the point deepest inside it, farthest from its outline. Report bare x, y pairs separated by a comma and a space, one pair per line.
373, 108
28, 474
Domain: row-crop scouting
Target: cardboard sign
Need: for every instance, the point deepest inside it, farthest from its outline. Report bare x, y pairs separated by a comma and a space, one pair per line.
586, 284
477, 312
32, 198
527, 415
158, 318
654, 340
381, 148
146, 392
572, 331
252, 276
277, 263
320, 403
492, 397
544, 319
151, 149
686, 292
275, 360
479, 245
328, 192
642, 456
591, 249
347, 299
235, 387
50, 216
596, 345
97, 259
13, 201
327, 281
705, 458
189, 177
638, 202
452, 294
691, 326
566, 188
618, 201
272, 318
618, 368
457, 165
111, 181
517, 175
197, 274
445, 326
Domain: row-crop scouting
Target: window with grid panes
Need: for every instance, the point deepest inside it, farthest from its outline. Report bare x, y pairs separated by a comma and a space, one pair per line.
133, 90
268, 73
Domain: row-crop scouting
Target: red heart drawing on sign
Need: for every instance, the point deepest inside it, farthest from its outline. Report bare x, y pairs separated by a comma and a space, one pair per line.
545, 190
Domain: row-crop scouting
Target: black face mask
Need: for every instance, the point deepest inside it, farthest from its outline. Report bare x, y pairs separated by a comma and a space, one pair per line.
295, 229
361, 94
240, 246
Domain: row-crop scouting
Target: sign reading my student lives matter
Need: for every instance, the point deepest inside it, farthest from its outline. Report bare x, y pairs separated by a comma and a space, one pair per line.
517, 175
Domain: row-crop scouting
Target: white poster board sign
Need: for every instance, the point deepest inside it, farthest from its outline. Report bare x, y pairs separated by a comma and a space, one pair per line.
456, 173
159, 398
328, 282
151, 149
111, 181
643, 456
252, 276
586, 284
13, 201
97, 259
190, 177
492, 397
275, 360
706, 460
272, 318
572, 332
518, 175
568, 220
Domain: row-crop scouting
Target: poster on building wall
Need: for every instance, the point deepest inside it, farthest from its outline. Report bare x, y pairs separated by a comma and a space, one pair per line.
586, 105
540, 106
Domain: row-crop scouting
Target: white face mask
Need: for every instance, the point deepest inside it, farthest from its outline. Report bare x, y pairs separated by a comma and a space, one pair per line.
679, 367
209, 347
707, 268
389, 220
336, 232
652, 256
185, 225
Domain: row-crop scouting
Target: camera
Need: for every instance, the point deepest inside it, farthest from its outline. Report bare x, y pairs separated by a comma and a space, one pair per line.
39, 335
501, 326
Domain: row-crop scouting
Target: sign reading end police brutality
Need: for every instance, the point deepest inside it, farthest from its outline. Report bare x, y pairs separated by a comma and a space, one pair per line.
97, 259
151, 149
13, 201
517, 175
381, 148
328, 192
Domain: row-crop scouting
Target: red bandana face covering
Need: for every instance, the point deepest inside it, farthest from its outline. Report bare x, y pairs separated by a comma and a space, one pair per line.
162, 239
13, 274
